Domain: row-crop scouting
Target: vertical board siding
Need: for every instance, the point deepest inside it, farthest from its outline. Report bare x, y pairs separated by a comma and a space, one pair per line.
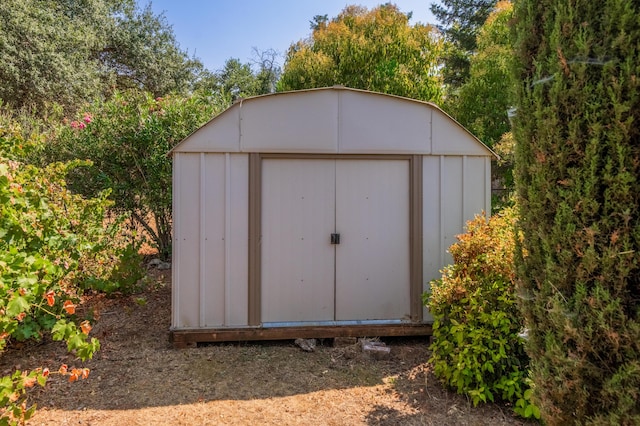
433, 257
212, 267
188, 240
373, 257
175, 265
452, 200
237, 282
210, 244
298, 215
475, 182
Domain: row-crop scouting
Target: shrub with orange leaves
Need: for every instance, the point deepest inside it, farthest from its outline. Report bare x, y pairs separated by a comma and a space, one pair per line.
476, 346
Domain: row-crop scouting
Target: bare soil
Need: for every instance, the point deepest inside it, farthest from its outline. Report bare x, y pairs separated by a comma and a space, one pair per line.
137, 378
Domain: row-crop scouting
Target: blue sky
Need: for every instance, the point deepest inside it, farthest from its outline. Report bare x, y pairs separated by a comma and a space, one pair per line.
216, 30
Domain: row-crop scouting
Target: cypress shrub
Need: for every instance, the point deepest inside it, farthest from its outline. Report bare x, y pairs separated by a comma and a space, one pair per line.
578, 183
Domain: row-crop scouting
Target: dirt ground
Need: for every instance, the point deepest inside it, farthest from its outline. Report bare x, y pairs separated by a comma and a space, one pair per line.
138, 379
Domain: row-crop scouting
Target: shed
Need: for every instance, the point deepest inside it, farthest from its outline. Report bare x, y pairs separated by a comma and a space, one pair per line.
318, 213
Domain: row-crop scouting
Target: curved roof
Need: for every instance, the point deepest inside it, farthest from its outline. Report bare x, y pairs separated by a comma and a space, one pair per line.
334, 120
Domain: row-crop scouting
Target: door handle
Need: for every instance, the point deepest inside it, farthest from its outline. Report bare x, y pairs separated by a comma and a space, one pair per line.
335, 238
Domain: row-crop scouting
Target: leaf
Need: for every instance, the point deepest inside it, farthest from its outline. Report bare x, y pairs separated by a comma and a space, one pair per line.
62, 329
536, 411
528, 411
17, 305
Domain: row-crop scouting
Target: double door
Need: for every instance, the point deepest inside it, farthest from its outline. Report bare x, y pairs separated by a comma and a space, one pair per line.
335, 240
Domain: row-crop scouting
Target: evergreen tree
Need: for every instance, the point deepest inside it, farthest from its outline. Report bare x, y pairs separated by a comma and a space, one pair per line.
459, 23
481, 103
578, 181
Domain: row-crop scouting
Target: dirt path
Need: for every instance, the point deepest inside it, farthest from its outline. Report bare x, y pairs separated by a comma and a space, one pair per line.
138, 379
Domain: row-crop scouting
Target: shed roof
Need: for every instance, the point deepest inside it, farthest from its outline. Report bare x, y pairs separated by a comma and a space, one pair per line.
335, 120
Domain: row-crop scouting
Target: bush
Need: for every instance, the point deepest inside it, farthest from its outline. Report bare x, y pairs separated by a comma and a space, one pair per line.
476, 345
127, 139
49, 239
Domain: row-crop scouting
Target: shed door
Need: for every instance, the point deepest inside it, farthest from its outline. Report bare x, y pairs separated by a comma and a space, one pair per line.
372, 260
304, 276
298, 215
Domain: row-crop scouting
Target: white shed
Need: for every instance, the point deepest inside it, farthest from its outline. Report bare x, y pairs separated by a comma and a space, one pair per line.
318, 213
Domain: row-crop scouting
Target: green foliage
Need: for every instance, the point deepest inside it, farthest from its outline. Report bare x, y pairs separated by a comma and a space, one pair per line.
476, 345
47, 51
70, 52
373, 50
460, 21
237, 80
578, 180
49, 238
481, 103
127, 139
142, 52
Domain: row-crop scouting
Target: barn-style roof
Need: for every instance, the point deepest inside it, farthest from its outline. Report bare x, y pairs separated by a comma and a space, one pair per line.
334, 120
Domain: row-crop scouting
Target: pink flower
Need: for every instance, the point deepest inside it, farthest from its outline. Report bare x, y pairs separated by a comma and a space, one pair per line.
74, 124
81, 125
87, 118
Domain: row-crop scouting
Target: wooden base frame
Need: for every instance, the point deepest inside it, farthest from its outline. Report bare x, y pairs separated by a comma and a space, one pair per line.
190, 338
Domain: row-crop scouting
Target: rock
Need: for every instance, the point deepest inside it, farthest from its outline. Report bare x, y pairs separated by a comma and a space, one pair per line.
308, 345
374, 349
155, 262
164, 266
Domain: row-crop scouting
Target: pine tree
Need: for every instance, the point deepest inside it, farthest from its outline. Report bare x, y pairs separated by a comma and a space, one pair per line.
460, 21
578, 181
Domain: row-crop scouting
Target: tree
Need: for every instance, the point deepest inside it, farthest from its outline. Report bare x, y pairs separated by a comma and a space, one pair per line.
459, 23
69, 52
142, 52
237, 80
578, 183
374, 50
46, 51
268, 70
127, 138
481, 103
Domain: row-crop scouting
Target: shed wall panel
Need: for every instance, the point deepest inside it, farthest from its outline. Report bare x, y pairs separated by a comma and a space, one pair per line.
475, 187
372, 259
298, 217
222, 134
452, 200
187, 245
304, 122
379, 125
450, 138
212, 263
432, 242
237, 279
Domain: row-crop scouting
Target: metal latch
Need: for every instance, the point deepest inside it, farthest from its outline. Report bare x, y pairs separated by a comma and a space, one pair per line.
335, 238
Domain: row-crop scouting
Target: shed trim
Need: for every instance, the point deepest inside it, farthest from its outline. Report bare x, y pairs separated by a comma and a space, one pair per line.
255, 224
203, 235
415, 237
